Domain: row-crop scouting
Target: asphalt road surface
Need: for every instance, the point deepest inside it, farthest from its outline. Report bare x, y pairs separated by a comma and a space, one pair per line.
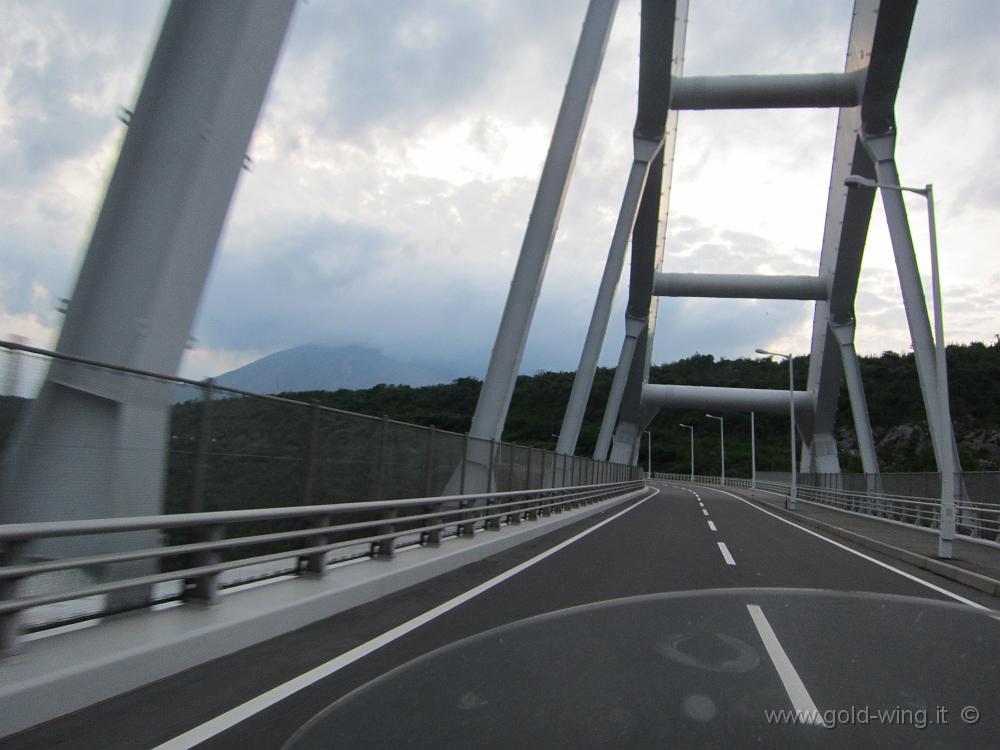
858, 670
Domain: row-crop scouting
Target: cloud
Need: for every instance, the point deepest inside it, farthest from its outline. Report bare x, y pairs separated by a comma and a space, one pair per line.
398, 154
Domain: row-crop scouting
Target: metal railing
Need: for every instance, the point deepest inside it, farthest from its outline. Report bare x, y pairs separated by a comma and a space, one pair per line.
231, 450
909, 499
320, 530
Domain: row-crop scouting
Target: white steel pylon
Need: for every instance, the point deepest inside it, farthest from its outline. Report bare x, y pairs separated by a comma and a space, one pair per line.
865, 95
143, 275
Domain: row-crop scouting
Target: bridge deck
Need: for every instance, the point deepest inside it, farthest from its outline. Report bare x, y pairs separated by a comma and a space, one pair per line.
678, 540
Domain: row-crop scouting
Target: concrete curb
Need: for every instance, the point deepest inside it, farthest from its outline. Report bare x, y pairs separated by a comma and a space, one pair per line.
65, 673
945, 570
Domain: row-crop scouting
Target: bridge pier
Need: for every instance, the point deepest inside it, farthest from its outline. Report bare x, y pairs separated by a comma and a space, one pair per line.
93, 444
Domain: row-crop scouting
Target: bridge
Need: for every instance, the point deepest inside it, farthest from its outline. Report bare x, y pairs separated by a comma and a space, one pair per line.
168, 582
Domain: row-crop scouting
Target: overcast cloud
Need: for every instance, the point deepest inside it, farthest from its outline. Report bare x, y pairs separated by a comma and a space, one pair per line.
398, 153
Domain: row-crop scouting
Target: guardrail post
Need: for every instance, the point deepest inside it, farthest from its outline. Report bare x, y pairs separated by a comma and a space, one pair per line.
204, 588
557, 508
314, 564
527, 473
533, 503
491, 481
465, 460
13, 553
510, 469
384, 549
307, 483
201, 456
515, 513
429, 470
432, 537
380, 463
468, 525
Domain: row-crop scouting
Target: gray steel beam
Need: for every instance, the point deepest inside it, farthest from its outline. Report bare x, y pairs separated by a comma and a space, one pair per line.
515, 324
93, 444
768, 91
876, 48
661, 55
633, 330
644, 150
505, 360
844, 332
740, 286
881, 148
726, 399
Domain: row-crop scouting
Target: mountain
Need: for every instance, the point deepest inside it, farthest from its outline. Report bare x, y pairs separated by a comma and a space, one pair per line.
313, 367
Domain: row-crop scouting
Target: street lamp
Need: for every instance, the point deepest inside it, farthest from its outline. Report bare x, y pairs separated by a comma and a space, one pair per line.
649, 453
753, 455
946, 527
692, 450
792, 494
722, 436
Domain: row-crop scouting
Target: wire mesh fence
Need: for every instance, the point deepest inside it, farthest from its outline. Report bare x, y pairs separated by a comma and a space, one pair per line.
228, 449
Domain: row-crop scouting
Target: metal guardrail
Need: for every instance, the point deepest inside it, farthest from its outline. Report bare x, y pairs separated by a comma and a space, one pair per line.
977, 521
433, 518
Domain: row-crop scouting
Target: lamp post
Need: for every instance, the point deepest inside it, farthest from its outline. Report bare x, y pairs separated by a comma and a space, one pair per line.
753, 455
946, 526
793, 490
722, 436
692, 450
649, 453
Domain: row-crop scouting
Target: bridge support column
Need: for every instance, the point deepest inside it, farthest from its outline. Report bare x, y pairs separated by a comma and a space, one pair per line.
644, 150
93, 443
505, 360
881, 149
633, 330
844, 333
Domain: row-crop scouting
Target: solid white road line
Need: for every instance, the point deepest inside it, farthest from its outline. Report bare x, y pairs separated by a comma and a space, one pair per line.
862, 555
725, 554
712, 526
797, 693
244, 711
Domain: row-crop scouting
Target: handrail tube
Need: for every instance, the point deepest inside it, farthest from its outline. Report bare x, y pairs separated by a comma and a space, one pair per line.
22, 603
174, 520
18, 571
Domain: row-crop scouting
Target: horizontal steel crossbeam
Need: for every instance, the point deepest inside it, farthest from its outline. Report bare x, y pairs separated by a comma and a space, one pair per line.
725, 399
812, 90
740, 286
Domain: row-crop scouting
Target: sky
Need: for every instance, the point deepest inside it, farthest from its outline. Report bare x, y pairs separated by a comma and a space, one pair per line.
396, 158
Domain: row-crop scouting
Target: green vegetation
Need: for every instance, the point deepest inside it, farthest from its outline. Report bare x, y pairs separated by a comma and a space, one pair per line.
258, 451
891, 385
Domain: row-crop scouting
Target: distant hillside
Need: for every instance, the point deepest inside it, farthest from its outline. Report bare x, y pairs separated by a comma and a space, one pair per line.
536, 410
891, 386
325, 368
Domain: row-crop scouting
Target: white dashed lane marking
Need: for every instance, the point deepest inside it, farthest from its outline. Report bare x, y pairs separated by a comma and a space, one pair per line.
726, 554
